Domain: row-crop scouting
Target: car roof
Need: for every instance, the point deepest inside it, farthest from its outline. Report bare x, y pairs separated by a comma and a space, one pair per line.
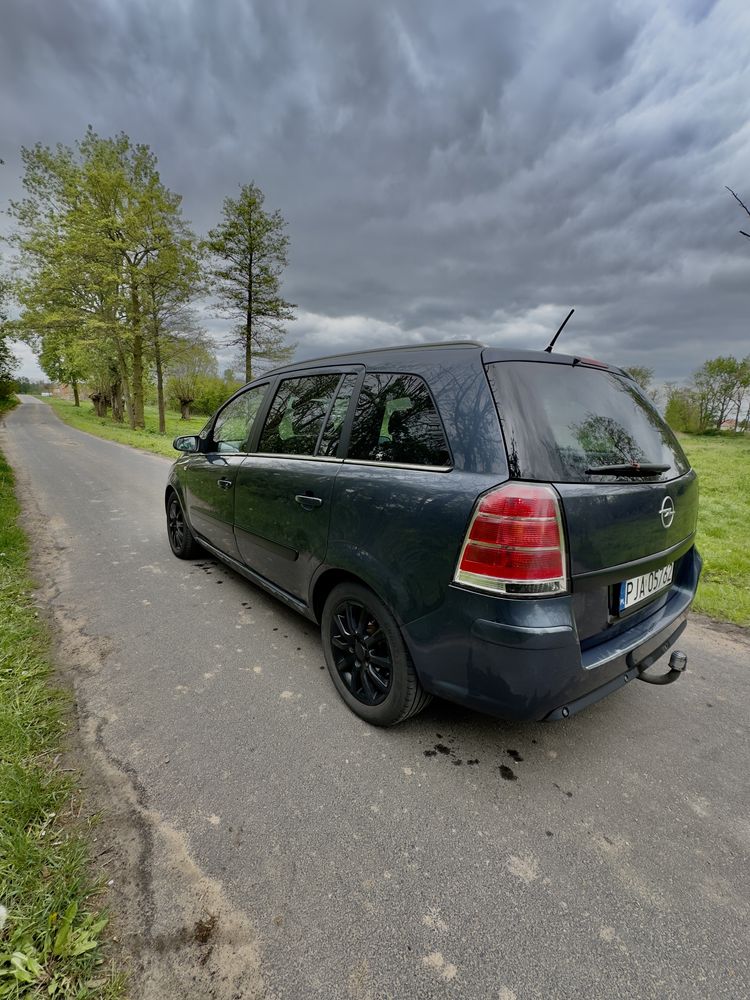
419, 355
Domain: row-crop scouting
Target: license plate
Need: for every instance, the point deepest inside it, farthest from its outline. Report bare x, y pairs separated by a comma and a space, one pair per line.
640, 588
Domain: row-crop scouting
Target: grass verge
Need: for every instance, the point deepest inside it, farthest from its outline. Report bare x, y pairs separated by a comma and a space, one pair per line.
50, 930
723, 467
83, 418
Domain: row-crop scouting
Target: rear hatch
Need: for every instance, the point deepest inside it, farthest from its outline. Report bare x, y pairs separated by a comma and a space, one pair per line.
591, 432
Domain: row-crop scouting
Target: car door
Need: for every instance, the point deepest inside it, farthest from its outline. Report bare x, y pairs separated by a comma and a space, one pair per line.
283, 490
210, 477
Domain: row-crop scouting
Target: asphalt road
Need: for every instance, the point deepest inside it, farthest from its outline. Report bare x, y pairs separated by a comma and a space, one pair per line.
454, 856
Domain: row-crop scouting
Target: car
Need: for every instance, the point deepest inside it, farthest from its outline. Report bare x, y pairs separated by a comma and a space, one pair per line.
513, 531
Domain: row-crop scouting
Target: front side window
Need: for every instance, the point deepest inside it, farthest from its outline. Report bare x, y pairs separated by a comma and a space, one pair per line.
235, 422
297, 413
396, 422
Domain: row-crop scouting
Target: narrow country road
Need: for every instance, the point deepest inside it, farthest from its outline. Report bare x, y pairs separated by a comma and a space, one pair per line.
304, 856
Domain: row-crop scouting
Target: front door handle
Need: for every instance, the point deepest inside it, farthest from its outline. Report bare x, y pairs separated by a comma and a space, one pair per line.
225, 484
307, 502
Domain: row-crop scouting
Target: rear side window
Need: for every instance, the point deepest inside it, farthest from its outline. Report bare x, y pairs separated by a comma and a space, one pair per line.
297, 414
560, 420
396, 421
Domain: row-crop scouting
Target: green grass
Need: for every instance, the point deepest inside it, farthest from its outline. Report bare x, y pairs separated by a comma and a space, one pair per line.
84, 419
723, 467
49, 925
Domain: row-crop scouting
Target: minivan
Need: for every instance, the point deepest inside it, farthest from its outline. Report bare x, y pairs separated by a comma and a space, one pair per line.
513, 531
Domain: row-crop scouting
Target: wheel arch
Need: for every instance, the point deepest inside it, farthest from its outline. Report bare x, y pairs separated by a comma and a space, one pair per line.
173, 487
324, 584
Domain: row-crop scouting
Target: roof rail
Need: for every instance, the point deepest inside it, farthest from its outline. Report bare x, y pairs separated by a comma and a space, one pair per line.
383, 350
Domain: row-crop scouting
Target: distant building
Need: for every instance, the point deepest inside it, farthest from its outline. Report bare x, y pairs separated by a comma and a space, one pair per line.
61, 391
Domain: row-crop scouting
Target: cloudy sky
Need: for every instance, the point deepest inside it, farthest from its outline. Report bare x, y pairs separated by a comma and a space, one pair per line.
447, 170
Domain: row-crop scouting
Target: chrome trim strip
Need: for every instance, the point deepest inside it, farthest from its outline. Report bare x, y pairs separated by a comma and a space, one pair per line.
301, 458
398, 465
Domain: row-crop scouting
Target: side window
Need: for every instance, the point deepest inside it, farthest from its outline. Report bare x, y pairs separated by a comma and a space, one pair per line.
396, 421
297, 414
331, 436
235, 422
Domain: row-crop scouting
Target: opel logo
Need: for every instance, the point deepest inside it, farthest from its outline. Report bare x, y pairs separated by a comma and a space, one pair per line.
667, 511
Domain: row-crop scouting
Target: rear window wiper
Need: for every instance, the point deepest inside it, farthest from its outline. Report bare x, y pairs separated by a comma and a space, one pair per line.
627, 469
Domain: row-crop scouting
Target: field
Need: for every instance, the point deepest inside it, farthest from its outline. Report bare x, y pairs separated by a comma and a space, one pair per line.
723, 467
722, 463
84, 419
49, 928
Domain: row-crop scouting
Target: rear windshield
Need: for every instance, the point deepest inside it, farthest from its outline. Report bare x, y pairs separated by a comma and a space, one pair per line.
560, 420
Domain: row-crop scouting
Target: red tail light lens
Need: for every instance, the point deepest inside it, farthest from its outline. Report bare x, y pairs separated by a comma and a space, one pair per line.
514, 544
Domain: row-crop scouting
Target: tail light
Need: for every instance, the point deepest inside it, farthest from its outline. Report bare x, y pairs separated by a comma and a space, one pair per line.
515, 543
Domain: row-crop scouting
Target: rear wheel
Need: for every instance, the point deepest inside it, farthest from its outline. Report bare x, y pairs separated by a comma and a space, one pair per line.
181, 538
367, 659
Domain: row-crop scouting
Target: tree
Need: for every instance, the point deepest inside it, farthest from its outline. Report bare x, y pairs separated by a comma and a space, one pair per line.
8, 364
716, 385
171, 277
682, 412
100, 239
63, 357
742, 205
193, 361
742, 389
248, 253
8, 361
642, 375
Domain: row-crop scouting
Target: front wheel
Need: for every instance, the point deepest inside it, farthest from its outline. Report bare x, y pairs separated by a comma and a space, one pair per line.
181, 538
367, 659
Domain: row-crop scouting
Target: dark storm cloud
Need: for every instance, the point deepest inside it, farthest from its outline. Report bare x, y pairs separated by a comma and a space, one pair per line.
446, 169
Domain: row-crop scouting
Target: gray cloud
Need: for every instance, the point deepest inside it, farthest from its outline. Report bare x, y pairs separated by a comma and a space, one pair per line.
446, 170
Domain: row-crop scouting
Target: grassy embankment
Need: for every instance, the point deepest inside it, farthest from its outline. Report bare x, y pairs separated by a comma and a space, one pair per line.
84, 418
49, 925
723, 464
723, 467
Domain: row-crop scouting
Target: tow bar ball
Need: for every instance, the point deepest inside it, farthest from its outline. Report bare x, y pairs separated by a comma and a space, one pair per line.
677, 666
678, 660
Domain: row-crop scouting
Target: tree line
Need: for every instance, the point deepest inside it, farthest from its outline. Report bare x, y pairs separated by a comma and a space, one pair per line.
107, 274
717, 397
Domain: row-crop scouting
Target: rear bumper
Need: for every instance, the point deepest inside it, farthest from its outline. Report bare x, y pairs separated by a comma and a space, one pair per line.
522, 659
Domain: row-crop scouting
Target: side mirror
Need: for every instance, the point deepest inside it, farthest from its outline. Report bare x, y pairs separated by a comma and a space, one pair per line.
189, 443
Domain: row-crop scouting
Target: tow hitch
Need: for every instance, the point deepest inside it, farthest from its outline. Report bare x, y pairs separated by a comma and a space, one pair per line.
677, 665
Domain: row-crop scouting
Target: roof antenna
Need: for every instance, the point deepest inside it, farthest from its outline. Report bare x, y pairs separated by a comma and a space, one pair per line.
560, 329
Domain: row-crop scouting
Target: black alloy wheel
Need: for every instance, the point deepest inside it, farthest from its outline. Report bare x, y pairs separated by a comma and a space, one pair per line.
181, 538
367, 658
361, 652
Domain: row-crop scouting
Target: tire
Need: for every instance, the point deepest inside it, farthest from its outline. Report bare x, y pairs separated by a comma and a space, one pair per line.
181, 538
367, 658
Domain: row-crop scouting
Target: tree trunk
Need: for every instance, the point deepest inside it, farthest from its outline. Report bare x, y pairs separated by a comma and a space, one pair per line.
124, 382
159, 382
185, 409
76, 397
116, 398
137, 420
249, 324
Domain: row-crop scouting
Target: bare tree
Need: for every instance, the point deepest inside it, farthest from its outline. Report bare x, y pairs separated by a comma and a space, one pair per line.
742, 205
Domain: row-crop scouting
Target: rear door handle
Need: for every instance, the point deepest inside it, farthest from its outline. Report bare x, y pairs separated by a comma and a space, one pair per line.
225, 484
308, 502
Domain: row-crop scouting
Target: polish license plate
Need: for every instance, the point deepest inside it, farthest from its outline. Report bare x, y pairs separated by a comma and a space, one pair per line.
640, 588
